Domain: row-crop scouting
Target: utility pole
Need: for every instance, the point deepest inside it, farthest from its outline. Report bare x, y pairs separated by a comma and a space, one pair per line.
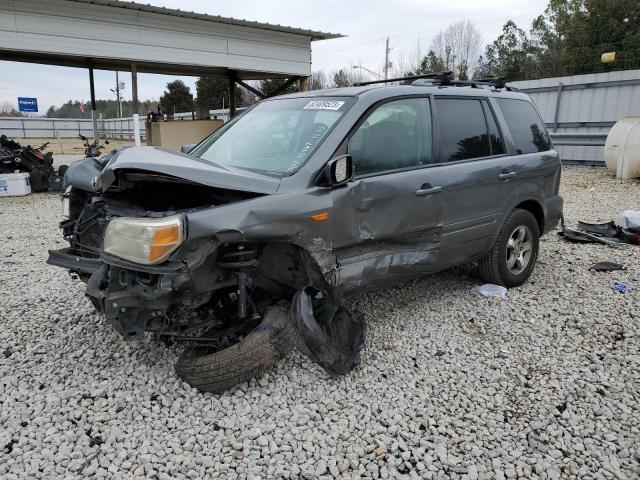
386, 59
118, 95
119, 87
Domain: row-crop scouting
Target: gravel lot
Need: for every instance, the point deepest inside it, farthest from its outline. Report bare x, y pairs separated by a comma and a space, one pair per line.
543, 384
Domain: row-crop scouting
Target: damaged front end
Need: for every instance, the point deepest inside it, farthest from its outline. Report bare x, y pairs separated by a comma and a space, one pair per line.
199, 261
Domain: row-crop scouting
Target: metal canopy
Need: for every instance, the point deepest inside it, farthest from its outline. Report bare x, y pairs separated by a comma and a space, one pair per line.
118, 35
110, 34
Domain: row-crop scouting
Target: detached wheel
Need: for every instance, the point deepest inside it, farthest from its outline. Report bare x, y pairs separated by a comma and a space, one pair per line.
256, 353
515, 252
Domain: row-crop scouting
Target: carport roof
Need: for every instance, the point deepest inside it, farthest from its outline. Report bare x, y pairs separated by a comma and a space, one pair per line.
314, 34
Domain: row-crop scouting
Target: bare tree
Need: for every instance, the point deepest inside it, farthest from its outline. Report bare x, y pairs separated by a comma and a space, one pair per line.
318, 80
7, 109
458, 47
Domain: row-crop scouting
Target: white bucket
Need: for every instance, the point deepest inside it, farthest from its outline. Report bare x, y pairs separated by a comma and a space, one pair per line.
14, 184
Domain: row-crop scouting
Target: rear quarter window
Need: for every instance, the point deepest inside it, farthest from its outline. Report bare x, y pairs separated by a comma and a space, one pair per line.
527, 129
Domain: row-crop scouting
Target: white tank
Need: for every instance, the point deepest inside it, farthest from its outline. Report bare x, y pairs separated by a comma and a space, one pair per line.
622, 148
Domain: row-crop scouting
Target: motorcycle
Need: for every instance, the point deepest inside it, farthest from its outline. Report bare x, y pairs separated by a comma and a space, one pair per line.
15, 157
93, 149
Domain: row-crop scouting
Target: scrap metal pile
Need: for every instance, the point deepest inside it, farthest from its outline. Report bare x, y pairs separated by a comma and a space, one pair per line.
17, 158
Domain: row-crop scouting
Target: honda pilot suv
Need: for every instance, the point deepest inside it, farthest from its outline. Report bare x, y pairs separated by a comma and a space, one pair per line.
246, 245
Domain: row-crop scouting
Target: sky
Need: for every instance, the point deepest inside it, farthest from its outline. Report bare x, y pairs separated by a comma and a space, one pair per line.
410, 25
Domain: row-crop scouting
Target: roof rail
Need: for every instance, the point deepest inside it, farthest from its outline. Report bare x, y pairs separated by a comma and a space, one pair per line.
495, 82
437, 76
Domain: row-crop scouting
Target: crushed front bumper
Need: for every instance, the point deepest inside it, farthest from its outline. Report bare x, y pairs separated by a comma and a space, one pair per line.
135, 298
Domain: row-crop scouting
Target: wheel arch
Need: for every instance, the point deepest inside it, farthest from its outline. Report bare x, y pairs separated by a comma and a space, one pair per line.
535, 208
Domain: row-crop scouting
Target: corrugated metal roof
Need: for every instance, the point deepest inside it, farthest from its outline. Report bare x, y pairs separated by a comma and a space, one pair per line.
315, 35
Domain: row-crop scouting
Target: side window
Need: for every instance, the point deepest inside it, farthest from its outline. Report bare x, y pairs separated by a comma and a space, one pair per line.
497, 147
463, 129
529, 133
397, 134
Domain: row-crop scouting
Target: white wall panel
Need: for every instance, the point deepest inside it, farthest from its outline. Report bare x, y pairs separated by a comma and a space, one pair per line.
96, 31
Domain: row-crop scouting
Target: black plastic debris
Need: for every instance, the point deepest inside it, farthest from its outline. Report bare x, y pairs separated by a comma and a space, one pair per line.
607, 233
328, 333
97, 440
608, 229
606, 267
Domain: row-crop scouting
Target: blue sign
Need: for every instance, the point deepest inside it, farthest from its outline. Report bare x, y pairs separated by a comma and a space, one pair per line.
26, 104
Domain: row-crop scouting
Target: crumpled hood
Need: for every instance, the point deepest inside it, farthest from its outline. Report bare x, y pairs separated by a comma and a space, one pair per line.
98, 174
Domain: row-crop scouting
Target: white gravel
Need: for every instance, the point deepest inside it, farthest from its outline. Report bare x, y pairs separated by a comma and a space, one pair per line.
542, 384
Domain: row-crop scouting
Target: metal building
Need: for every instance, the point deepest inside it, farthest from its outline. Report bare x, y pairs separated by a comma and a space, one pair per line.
118, 35
579, 110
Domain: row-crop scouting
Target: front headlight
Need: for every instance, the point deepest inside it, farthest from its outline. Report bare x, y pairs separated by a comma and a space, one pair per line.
143, 240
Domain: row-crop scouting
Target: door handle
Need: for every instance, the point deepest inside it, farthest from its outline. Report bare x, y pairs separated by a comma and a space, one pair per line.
421, 192
506, 176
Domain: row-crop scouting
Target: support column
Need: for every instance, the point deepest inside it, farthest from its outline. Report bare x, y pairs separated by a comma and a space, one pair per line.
305, 84
94, 114
134, 95
232, 94
556, 114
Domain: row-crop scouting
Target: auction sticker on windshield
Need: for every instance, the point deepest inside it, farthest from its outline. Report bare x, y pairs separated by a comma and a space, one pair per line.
324, 105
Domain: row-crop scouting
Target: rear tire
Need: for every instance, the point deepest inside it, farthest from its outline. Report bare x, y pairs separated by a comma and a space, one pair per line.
256, 353
515, 251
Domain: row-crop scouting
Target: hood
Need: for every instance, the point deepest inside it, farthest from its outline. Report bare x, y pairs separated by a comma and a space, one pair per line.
99, 174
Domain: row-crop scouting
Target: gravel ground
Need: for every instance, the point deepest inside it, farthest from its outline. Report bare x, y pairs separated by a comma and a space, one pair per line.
543, 384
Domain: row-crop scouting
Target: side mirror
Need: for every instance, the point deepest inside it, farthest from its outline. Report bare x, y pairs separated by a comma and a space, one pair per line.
187, 148
339, 170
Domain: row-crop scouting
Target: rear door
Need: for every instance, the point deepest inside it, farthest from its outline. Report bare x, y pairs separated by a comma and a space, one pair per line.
387, 222
473, 165
535, 166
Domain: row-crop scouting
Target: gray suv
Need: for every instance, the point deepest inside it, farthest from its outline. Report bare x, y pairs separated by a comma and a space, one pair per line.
246, 245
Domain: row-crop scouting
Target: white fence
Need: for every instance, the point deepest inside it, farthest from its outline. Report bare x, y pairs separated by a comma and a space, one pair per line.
21, 127
119, 128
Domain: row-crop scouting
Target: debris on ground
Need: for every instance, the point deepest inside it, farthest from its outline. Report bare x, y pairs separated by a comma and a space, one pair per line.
328, 333
606, 267
490, 290
625, 229
17, 158
620, 287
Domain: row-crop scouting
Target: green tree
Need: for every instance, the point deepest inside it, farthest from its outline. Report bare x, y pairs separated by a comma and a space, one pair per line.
430, 63
211, 91
270, 86
342, 79
177, 98
568, 39
511, 55
51, 111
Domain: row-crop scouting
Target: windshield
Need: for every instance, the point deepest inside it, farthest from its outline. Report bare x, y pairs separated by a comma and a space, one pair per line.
276, 136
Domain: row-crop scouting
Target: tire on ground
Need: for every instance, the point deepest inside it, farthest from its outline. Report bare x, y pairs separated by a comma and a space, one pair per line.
256, 353
493, 267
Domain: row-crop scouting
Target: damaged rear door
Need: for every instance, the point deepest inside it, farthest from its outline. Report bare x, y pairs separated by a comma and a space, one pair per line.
388, 221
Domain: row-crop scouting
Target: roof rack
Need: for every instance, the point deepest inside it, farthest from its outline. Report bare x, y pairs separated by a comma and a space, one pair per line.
495, 82
438, 76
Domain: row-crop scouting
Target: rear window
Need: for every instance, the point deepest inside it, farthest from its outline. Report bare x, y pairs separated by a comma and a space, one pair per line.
463, 129
527, 129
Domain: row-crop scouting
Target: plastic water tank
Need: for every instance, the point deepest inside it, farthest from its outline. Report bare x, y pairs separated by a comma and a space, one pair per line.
622, 148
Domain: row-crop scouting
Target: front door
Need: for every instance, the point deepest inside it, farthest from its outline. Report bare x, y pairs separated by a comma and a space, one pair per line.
388, 220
